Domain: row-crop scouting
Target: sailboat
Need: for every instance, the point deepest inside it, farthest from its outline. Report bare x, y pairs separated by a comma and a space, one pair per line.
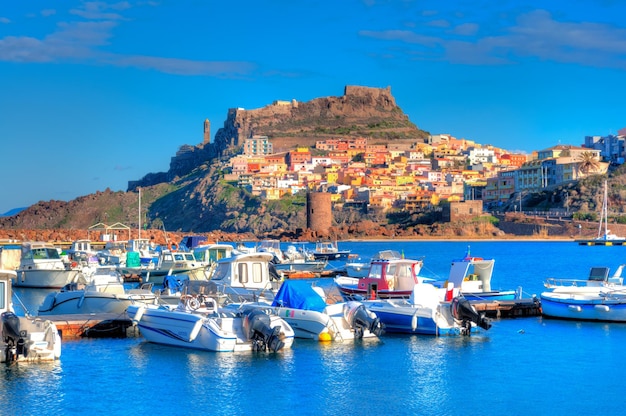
605, 237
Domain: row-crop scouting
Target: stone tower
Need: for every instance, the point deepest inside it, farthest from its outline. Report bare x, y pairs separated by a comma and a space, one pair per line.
319, 215
207, 132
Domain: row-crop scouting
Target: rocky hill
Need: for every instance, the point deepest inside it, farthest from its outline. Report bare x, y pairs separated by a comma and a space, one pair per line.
192, 196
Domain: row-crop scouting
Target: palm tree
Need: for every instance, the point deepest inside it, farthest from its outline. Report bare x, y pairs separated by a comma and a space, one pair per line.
587, 162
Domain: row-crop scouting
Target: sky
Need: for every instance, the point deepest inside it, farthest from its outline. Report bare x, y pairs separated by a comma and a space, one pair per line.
94, 94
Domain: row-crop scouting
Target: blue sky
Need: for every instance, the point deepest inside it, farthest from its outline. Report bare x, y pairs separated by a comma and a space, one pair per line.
94, 94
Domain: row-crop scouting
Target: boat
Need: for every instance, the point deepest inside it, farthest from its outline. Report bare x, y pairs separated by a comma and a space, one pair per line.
387, 278
429, 311
198, 322
292, 261
175, 262
472, 275
599, 297
605, 237
104, 294
246, 277
358, 268
304, 307
41, 266
329, 250
24, 338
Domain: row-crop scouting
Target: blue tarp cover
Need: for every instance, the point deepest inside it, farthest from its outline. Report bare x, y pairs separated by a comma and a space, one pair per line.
299, 294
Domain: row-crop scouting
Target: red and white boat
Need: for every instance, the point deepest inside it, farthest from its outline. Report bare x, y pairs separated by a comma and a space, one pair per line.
391, 278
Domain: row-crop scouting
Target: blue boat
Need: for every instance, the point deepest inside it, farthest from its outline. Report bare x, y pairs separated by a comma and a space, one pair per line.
429, 311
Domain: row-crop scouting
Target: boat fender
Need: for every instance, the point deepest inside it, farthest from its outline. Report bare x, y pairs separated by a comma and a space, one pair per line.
139, 314
195, 331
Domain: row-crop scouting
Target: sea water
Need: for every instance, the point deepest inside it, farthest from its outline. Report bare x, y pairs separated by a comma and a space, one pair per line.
520, 366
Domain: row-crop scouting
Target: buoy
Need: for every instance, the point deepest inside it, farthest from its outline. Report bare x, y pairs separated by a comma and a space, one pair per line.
325, 337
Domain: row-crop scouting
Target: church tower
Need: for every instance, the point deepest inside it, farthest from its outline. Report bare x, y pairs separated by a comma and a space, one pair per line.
207, 131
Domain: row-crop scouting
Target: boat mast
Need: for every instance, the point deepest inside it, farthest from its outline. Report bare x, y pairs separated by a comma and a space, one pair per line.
604, 214
139, 222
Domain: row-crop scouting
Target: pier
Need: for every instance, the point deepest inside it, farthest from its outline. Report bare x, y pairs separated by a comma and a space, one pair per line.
517, 308
103, 325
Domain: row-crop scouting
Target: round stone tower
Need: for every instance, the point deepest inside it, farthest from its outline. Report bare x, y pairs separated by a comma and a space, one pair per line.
319, 215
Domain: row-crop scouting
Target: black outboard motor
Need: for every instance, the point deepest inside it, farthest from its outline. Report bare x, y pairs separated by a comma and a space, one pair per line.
361, 318
13, 337
257, 324
463, 311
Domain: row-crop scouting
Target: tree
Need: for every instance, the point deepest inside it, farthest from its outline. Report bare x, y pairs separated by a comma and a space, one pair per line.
587, 162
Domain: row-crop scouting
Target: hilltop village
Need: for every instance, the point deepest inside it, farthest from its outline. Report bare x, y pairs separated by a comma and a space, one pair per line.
415, 176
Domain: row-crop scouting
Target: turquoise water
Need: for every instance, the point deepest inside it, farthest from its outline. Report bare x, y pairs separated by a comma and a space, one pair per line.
519, 367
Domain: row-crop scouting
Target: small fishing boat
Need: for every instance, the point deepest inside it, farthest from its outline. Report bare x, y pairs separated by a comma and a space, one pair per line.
472, 275
304, 307
329, 250
359, 268
24, 338
387, 278
199, 323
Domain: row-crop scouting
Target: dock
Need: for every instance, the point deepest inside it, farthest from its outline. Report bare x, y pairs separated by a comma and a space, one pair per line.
509, 308
105, 325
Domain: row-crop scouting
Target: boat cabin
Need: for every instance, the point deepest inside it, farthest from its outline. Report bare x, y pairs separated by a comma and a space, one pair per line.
247, 270
472, 274
211, 253
36, 255
391, 275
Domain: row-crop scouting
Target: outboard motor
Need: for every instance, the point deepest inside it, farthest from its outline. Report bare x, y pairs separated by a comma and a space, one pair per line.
257, 325
463, 311
361, 318
13, 337
273, 273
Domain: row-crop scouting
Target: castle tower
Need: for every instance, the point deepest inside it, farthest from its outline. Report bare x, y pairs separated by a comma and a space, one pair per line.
319, 215
207, 132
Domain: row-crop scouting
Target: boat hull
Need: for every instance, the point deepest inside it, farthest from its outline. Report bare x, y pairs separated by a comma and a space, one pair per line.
415, 320
187, 330
583, 307
85, 302
310, 324
47, 279
41, 341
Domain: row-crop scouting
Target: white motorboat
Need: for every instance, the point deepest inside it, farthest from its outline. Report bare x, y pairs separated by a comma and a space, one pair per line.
175, 262
24, 338
429, 311
304, 307
199, 323
105, 293
41, 266
600, 297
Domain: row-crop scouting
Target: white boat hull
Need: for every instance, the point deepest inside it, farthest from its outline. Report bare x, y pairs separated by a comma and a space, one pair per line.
224, 333
46, 279
86, 302
584, 306
309, 324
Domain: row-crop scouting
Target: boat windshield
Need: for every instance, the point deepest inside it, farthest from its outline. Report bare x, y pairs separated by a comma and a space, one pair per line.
45, 253
376, 271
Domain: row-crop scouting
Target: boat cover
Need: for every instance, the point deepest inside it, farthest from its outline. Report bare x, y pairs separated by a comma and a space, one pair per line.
299, 294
